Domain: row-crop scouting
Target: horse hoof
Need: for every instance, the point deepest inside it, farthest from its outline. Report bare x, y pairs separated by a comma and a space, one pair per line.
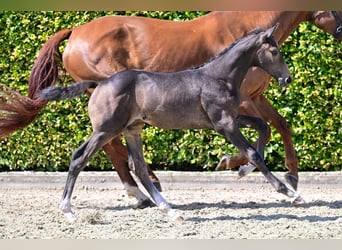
245, 170
157, 185
179, 219
297, 200
144, 204
223, 163
71, 217
175, 216
291, 180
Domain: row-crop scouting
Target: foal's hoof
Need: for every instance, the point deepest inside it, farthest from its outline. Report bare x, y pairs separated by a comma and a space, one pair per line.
179, 219
71, 217
175, 216
245, 170
144, 204
297, 200
223, 163
291, 180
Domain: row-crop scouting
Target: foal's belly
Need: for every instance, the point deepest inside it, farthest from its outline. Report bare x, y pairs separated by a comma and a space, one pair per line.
178, 120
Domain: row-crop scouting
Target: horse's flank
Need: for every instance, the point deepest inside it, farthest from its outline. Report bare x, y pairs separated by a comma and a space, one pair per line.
141, 43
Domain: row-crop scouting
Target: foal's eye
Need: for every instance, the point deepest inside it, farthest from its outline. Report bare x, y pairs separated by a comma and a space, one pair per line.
274, 52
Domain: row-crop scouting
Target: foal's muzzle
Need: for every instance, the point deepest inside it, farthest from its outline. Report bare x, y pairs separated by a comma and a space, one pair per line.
284, 81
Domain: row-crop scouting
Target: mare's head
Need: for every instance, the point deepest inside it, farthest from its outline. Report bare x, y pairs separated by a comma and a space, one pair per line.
270, 59
329, 21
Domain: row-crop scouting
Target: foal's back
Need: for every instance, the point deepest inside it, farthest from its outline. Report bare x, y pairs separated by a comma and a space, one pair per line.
165, 100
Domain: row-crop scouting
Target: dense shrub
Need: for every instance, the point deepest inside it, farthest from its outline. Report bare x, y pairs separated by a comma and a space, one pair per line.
311, 104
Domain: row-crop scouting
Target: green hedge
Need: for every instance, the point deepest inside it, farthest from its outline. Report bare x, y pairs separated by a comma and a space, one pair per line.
311, 104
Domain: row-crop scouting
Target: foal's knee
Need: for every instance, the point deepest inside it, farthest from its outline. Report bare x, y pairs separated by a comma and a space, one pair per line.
75, 166
263, 127
131, 165
254, 157
77, 153
77, 160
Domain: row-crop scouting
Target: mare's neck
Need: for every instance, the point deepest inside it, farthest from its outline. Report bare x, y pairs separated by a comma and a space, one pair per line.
235, 24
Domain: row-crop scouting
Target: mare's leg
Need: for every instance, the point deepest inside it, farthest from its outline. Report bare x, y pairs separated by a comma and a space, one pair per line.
120, 162
138, 165
78, 162
269, 113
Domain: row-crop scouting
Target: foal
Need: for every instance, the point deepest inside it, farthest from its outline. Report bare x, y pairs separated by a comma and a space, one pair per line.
190, 99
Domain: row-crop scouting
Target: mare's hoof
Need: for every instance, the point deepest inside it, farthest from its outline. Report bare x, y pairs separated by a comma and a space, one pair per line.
297, 200
144, 204
157, 185
291, 180
223, 163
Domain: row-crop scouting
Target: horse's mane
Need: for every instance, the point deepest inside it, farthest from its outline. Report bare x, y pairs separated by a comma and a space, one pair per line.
252, 32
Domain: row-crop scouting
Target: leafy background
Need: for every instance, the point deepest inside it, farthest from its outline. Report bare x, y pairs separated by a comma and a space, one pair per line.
311, 104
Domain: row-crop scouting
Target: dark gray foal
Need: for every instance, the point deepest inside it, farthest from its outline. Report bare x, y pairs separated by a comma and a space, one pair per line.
205, 97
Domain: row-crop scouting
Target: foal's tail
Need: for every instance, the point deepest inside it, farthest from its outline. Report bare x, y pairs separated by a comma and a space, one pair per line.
17, 111
66, 92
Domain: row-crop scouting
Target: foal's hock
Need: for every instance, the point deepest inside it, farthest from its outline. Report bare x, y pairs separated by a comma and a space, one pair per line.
203, 97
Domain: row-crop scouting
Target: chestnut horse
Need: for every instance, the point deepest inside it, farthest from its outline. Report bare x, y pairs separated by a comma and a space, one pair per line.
106, 45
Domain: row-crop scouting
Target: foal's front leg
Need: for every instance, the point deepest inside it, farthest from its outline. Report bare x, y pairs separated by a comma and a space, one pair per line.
233, 134
262, 128
138, 165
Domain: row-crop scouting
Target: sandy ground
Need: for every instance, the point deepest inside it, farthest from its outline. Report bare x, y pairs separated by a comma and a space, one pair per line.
235, 211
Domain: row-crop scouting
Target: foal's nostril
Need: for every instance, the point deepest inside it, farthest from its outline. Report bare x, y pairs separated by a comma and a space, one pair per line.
288, 79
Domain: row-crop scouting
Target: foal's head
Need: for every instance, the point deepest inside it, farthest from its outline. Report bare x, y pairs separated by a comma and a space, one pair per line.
270, 59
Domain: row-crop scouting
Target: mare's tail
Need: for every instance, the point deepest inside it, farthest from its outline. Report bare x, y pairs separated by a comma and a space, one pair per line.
66, 92
17, 111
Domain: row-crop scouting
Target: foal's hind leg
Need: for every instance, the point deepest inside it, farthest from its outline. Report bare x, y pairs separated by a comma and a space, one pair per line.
116, 147
119, 160
138, 165
78, 162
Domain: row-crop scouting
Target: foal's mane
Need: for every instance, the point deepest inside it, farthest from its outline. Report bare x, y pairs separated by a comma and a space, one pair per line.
249, 34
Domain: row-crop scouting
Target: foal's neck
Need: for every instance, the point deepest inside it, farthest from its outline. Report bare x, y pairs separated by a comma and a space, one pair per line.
232, 65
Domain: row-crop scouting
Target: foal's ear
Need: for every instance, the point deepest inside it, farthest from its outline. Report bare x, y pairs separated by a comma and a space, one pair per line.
271, 30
